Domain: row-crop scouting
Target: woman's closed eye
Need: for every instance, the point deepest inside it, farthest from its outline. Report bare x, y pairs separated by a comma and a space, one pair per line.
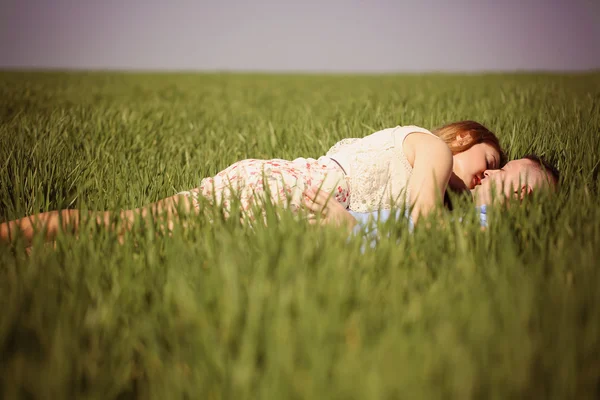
491, 164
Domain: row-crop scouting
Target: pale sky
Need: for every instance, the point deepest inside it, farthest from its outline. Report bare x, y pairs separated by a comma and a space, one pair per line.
311, 36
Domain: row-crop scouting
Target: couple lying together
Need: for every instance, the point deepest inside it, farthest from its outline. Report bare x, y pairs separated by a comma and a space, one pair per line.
358, 180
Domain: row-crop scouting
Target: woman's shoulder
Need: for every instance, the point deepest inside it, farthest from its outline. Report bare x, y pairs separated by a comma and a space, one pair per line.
406, 130
423, 141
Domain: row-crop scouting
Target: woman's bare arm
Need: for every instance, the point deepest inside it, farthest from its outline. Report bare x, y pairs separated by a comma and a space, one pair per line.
432, 164
53, 222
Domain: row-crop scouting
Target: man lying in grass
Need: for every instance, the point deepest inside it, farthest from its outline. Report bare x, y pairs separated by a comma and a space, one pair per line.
517, 179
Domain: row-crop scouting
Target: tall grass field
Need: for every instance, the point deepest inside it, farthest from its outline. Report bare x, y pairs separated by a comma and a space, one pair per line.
288, 310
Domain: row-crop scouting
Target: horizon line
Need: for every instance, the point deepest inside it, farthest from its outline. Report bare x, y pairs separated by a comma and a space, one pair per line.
252, 71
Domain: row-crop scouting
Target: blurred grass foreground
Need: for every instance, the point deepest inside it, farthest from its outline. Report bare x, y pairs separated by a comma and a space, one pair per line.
291, 311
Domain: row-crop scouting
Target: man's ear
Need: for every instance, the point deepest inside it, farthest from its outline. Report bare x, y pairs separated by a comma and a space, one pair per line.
524, 191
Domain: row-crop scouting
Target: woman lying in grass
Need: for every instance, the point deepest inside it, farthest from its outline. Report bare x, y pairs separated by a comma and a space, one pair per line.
365, 174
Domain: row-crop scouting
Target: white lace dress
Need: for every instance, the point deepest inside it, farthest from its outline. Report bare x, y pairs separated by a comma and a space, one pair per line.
363, 174
376, 168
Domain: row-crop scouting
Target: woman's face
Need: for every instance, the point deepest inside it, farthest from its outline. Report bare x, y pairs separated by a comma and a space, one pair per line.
470, 165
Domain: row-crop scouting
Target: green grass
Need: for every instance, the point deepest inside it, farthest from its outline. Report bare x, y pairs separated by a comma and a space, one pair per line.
292, 311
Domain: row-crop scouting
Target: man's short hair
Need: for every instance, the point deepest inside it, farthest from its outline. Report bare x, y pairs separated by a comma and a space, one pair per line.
545, 166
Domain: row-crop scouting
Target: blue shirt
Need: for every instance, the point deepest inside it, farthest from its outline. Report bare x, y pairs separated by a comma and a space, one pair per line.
367, 226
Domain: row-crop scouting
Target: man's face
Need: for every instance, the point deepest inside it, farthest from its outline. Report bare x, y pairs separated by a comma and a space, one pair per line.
517, 179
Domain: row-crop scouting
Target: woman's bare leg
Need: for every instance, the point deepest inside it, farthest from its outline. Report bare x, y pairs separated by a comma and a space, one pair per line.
54, 221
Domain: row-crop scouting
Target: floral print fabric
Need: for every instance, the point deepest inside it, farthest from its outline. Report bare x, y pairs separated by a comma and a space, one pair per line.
284, 181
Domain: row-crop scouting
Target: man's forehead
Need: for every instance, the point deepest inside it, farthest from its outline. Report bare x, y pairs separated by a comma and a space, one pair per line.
528, 170
521, 163
522, 168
